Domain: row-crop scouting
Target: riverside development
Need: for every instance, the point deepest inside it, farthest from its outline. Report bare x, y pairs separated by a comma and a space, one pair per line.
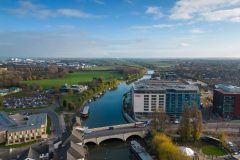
129, 121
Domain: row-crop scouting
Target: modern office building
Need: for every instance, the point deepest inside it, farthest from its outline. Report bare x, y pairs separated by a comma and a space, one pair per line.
150, 96
12, 132
226, 100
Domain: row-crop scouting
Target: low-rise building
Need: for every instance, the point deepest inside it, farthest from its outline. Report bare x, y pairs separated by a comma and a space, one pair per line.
226, 100
13, 133
74, 88
150, 96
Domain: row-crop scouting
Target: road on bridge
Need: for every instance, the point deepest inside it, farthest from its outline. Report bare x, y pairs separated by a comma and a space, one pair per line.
112, 132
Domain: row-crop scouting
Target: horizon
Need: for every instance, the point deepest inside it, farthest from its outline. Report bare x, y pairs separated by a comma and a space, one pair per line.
120, 29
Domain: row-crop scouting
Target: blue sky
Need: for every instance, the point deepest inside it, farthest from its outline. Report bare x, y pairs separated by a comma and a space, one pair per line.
120, 28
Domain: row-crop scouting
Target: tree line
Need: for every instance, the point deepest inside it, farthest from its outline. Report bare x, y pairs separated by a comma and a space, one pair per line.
96, 86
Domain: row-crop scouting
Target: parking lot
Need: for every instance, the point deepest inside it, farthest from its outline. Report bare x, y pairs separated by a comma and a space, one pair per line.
40, 99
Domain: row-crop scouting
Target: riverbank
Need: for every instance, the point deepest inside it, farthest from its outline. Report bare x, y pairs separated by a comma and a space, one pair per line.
75, 101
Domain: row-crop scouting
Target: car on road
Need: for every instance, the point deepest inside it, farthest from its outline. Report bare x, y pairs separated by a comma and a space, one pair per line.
111, 128
176, 121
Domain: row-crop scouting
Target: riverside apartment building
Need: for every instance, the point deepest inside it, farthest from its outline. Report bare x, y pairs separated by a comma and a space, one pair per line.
150, 96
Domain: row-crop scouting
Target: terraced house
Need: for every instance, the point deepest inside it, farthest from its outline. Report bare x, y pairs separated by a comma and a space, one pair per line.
12, 132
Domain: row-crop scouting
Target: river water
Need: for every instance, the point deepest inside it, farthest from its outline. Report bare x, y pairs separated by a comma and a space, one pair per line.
107, 111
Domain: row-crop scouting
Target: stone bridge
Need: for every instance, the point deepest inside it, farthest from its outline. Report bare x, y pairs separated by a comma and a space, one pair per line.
122, 132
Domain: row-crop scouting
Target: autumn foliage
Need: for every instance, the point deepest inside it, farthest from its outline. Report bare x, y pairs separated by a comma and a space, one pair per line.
165, 149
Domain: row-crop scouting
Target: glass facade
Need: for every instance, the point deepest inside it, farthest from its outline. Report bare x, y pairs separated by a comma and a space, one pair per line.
228, 104
175, 101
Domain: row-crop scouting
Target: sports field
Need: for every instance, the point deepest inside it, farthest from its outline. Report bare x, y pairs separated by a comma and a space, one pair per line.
76, 77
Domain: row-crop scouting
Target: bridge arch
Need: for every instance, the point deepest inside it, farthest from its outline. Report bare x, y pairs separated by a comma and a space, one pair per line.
102, 139
135, 136
109, 139
90, 143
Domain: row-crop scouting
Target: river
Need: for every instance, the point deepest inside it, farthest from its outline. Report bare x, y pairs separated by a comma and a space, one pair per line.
106, 111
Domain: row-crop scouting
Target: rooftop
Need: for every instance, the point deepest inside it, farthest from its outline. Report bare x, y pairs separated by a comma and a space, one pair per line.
6, 121
228, 88
158, 85
33, 122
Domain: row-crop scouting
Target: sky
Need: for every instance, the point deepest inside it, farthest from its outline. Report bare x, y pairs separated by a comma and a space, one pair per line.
120, 28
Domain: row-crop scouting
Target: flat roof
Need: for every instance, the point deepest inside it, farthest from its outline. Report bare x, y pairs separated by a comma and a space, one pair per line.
34, 121
228, 88
158, 85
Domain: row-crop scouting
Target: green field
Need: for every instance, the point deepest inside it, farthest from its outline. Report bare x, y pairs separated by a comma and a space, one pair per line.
17, 145
164, 64
100, 68
213, 150
74, 78
70, 98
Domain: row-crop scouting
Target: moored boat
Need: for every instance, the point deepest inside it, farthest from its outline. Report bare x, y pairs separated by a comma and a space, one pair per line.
85, 111
139, 151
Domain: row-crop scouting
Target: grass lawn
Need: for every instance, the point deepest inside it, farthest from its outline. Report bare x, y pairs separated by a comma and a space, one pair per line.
49, 124
71, 98
76, 77
213, 150
18, 145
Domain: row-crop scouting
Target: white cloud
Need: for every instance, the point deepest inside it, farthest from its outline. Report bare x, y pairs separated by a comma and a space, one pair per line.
160, 26
99, 1
27, 8
184, 44
73, 13
155, 26
228, 14
210, 10
154, 11
196, 31
129, 1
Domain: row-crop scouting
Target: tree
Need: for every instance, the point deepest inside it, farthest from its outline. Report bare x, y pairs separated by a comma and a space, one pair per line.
197, 123
165, 149
222, 137
64, 103
1, 101
70, 92
185, 127
71, 106
160, 121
